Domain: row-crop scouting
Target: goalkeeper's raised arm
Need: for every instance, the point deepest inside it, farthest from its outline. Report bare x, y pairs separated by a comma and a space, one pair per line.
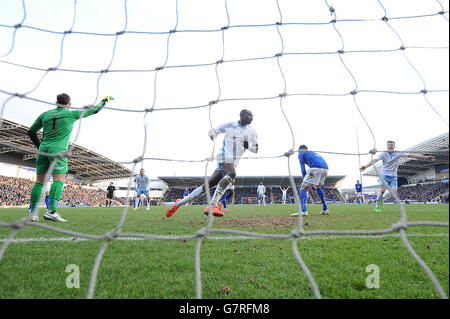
92, 110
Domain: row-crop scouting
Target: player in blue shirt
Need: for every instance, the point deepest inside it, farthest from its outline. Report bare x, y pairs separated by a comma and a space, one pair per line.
359, 194
313, 178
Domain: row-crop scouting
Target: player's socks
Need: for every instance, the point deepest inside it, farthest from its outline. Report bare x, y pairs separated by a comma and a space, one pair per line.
379, 200
195, 193
35, 195
55, 194
220, 189
322, 197
303, 199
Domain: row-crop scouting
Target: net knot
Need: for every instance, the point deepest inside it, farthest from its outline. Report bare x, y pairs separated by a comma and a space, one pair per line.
282, 95
297, 233
18, 26
289, 153
67, 31
279, 23
224, 28
385, 19
213, 102
51, 69
333, 21
402, 47
111, 235
373, 151
279, 54
354, 92
331, 9
202, 233
19, 224
173, 31
104, 71
120, 32
340, 51
424, 91
19, 95
219, 61
159, 68
400, 226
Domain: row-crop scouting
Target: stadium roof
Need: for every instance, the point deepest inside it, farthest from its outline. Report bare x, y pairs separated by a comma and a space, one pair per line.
17, 148
437, 146
188, 181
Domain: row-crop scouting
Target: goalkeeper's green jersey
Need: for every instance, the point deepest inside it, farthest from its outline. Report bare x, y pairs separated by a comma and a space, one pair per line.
57, 125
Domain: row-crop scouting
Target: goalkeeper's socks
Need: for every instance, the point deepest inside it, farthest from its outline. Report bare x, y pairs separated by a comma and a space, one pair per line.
321, 195
35, 195
303, 199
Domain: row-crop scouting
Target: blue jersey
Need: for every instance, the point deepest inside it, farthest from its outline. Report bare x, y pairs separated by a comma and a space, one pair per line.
312, 160
186, 193
358, 188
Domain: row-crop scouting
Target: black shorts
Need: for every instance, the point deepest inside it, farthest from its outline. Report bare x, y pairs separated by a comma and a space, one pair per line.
110, 196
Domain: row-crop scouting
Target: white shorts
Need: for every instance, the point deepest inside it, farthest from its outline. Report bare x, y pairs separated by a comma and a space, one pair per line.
315, 177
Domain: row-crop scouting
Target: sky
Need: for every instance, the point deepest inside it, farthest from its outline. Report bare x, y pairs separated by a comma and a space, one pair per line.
317, 80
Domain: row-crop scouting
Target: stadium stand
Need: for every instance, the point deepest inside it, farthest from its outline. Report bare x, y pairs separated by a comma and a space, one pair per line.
17, 148
246, 188
15, 192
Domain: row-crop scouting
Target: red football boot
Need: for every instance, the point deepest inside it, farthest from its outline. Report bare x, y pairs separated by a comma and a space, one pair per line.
215, 210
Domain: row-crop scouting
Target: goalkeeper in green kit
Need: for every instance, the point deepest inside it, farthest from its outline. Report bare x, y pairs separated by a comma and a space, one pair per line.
57, 125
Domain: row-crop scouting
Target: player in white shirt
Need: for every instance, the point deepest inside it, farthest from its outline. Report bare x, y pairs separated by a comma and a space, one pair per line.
284, 194
239, 137
390, 160
261, 190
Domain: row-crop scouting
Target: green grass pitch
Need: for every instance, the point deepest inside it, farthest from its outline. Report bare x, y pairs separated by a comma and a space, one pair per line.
231, 267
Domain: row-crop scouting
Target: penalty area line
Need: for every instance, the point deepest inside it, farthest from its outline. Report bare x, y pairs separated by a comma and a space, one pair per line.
75, 239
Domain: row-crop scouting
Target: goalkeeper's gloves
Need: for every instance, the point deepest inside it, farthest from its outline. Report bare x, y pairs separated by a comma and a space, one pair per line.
246, 145
103, 102
212, 134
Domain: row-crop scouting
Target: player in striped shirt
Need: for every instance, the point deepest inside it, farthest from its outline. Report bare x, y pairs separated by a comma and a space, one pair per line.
142, 184
239, 137
390, 159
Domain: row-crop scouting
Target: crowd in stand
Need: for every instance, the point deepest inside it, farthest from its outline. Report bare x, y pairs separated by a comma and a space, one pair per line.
424, 192
16, 192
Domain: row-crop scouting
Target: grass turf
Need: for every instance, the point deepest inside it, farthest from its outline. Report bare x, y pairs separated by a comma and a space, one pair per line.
231, 267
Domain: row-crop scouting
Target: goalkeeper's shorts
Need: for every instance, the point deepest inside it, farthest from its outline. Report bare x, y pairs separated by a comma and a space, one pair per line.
43, 162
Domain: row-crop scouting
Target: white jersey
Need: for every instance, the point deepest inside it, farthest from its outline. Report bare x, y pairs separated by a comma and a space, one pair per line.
390, 162
284, 191
233, 143
261, 189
